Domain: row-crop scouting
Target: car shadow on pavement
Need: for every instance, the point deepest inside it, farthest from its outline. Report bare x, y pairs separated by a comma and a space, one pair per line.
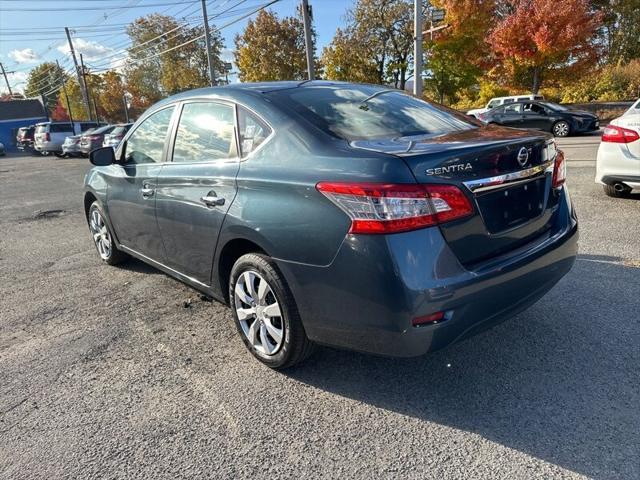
558, 382
138, 266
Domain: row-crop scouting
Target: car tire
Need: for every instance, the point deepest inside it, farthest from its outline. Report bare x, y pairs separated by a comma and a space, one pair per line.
561, 129
102, 236
266, 314
610, 191
60, 155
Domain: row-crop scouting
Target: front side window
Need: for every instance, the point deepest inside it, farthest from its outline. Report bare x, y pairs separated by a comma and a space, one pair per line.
205, 133
253, 131
146, 143
366, 112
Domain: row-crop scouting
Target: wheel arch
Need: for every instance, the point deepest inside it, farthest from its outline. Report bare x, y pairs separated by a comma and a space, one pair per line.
229, 254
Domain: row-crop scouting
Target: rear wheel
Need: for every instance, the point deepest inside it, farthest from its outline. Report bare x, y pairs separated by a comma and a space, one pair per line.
560, 129
265, 313
617, 191
103, 237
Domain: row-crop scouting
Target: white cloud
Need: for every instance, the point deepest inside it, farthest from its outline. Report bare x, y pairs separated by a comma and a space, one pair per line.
26, 55
17, 80
91, 51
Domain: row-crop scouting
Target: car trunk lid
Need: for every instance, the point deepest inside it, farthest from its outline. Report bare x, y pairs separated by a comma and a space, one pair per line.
506, 173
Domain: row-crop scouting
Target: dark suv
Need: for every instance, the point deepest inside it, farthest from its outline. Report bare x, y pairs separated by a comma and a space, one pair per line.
337, 214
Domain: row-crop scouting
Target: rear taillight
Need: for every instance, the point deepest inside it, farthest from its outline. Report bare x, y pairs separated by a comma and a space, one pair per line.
559, 170
615, 134
391, 208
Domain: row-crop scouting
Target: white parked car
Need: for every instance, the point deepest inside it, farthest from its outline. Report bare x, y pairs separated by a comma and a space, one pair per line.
618, 160
49, 136
497, 101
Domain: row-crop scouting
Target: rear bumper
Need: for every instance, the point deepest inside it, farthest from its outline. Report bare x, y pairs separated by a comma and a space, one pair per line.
70, 149
367, 297
48, 147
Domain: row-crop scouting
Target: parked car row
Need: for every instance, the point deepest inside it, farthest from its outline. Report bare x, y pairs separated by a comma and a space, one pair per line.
69, 138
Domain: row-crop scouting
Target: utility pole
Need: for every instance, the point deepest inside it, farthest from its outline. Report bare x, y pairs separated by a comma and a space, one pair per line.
66, 96
83, 86
417, 48
207, 40
5, 79
306, 17
126, 109
86, 88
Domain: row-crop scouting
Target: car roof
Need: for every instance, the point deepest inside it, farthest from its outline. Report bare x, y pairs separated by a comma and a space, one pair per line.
234, 91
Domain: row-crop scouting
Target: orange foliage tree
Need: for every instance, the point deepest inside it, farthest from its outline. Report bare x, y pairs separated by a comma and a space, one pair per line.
540, 39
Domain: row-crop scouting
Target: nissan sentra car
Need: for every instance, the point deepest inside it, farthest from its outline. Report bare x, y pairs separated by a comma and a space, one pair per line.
329, 213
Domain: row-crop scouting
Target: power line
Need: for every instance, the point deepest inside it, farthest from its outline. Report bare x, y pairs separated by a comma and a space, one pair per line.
101, 8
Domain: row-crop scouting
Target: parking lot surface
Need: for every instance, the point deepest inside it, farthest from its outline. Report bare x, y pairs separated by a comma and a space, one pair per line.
123, 372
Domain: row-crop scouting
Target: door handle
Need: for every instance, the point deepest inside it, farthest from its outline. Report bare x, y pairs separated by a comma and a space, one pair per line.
147, 191
210, 200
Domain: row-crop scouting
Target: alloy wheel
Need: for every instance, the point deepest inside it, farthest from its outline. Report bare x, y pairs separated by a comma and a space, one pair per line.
561, 129
100, 233
259, 313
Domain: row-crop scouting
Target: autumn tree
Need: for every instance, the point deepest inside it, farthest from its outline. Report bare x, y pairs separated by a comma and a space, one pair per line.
544, 38
346, 59
44, 79
459, 54
59, 113
110, 99
271, 48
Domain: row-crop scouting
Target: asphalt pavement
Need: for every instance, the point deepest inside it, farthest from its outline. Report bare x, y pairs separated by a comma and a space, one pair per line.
123, 372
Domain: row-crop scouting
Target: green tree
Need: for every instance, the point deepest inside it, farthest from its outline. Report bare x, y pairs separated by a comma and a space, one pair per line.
385, 29
45, 78
346, 59
620, 30
271, 49
151, 74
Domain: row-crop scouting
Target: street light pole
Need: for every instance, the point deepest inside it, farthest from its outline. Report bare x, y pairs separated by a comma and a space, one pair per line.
207, 41
417, 48
307, 38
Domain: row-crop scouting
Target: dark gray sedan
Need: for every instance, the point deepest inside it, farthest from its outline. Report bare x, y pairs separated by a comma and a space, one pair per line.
330, 213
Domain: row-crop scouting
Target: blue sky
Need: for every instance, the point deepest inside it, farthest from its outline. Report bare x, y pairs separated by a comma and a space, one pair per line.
31, 37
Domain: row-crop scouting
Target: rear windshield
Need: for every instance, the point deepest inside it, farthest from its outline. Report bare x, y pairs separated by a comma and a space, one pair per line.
120, 130
60, 127
105, 129
366, 112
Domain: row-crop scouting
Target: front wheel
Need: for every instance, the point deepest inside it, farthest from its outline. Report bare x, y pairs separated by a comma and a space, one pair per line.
103, 237
266, 314
560, 129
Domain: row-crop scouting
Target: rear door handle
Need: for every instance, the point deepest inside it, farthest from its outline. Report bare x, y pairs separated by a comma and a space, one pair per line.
211, 200
147, 191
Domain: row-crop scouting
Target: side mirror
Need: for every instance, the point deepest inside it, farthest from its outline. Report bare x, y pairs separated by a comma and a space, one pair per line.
101, 157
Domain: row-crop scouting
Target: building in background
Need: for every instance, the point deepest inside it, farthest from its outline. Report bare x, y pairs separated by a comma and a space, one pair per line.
19, 113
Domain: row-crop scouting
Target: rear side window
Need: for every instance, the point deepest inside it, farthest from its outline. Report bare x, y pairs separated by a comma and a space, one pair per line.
253, 131
205, 133
60, 127
366, 112
514, 108
523, 98
508, 100
493, 103
146, 143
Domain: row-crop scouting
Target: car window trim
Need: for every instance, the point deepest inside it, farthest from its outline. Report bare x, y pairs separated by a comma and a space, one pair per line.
120, 152
174, 131
266, 140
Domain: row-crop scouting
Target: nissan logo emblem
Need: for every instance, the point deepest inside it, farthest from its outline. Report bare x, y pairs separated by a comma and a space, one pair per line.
523, 156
